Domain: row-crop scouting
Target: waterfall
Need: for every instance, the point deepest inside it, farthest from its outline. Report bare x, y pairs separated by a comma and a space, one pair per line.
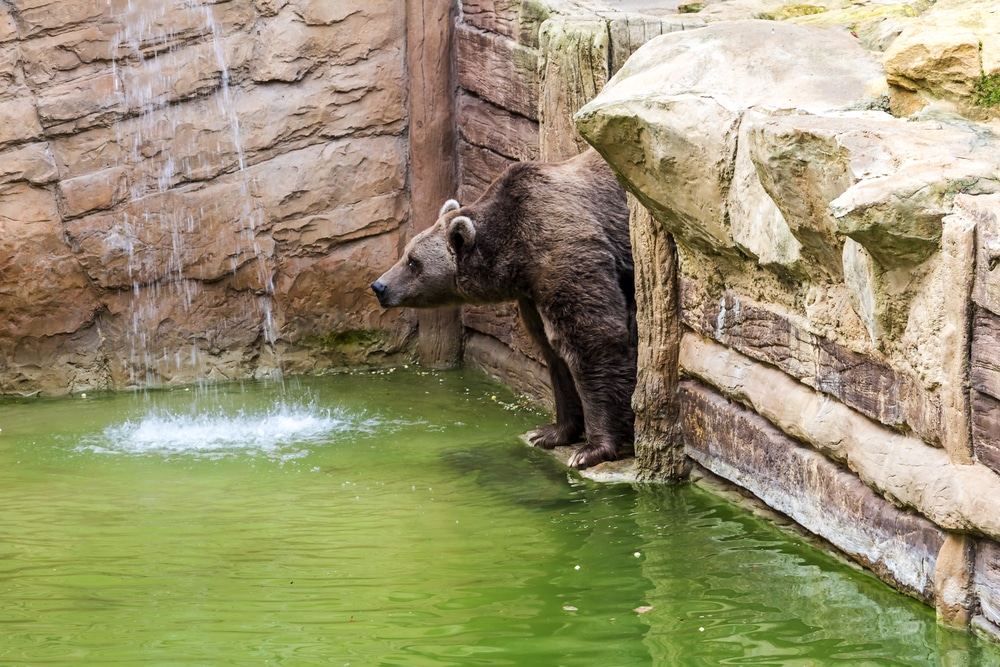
201, 274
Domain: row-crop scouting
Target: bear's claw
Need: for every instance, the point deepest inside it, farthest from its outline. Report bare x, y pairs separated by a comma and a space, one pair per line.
550, 436
592, 454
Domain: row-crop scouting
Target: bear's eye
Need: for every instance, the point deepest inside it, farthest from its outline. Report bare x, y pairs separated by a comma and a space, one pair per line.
413, 264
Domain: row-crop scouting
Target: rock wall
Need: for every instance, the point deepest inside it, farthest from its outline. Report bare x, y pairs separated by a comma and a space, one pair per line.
834, 277
197, 189
815, 234
205, 190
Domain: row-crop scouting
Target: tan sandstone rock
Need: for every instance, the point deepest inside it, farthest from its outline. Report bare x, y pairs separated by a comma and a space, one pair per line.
883, 182
944, 53
670, 119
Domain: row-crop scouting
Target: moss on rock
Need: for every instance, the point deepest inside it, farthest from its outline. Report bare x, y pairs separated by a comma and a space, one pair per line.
353, 347
986, 90
792, 11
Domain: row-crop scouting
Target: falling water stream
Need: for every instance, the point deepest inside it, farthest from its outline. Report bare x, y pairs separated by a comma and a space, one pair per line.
395, 519
167, 52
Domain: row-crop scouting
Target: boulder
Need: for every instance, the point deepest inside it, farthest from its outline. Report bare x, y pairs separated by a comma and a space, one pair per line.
884, 182
669, 121
949, 53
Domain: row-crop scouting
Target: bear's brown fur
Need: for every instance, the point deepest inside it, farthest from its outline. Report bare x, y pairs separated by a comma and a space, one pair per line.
554, 237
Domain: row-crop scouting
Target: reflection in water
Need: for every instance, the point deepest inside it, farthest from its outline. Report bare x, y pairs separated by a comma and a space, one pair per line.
742, 593
394, 520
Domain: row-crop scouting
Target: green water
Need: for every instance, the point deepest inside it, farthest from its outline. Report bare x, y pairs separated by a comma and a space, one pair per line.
394, 519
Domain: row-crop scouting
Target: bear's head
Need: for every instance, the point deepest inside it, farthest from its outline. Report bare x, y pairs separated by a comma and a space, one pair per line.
426, 276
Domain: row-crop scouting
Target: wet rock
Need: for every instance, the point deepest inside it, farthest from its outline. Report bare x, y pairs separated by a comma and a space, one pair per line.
97, 190
44, 292
87, 101
171, 159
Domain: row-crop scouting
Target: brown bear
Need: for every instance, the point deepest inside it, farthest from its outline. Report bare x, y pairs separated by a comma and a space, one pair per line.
553, 237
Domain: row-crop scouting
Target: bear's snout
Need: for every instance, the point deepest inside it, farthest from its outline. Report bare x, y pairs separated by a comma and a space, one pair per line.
380, 288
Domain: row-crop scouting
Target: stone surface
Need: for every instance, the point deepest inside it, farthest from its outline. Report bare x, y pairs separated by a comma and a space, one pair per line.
986, 429
985, 211
876, 25
986, 582
953, 586
902, 469
829, 501
478, 167
210, 179
985, 372
942, 316
631, 30
942, 54
883, 182
44, 292
757, 224
488, 126
574, 67
658, 442
520, 373
860, 382
18, 121
498, 69
517, 19
33, 163
502, 322
669, 119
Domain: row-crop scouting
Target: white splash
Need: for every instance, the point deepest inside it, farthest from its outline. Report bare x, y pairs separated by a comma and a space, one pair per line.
280, 432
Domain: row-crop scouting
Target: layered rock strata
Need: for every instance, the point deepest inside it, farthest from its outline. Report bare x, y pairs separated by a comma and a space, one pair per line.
197, 190
834, 278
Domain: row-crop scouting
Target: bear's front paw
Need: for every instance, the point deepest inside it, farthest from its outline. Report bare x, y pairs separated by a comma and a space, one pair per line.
592, 454
551, 436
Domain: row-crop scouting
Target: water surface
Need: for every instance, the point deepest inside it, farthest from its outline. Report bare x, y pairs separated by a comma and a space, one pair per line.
395, 519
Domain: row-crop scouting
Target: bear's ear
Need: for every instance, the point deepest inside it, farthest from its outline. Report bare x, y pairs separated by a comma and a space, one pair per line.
450, 205
461, 233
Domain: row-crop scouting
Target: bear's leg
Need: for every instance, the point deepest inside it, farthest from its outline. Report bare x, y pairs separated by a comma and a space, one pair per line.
569, 409
587, 325
606, 391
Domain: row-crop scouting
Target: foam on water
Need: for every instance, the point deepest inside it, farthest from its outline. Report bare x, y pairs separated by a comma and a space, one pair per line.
280, 431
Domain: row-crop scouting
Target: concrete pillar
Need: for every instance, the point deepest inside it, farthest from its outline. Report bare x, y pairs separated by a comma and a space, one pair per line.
953, 574
430, 26
659, 447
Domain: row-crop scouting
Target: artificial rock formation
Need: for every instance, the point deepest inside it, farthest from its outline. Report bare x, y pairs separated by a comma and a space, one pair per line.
832, 262
950, 54
197, 191
205, 191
